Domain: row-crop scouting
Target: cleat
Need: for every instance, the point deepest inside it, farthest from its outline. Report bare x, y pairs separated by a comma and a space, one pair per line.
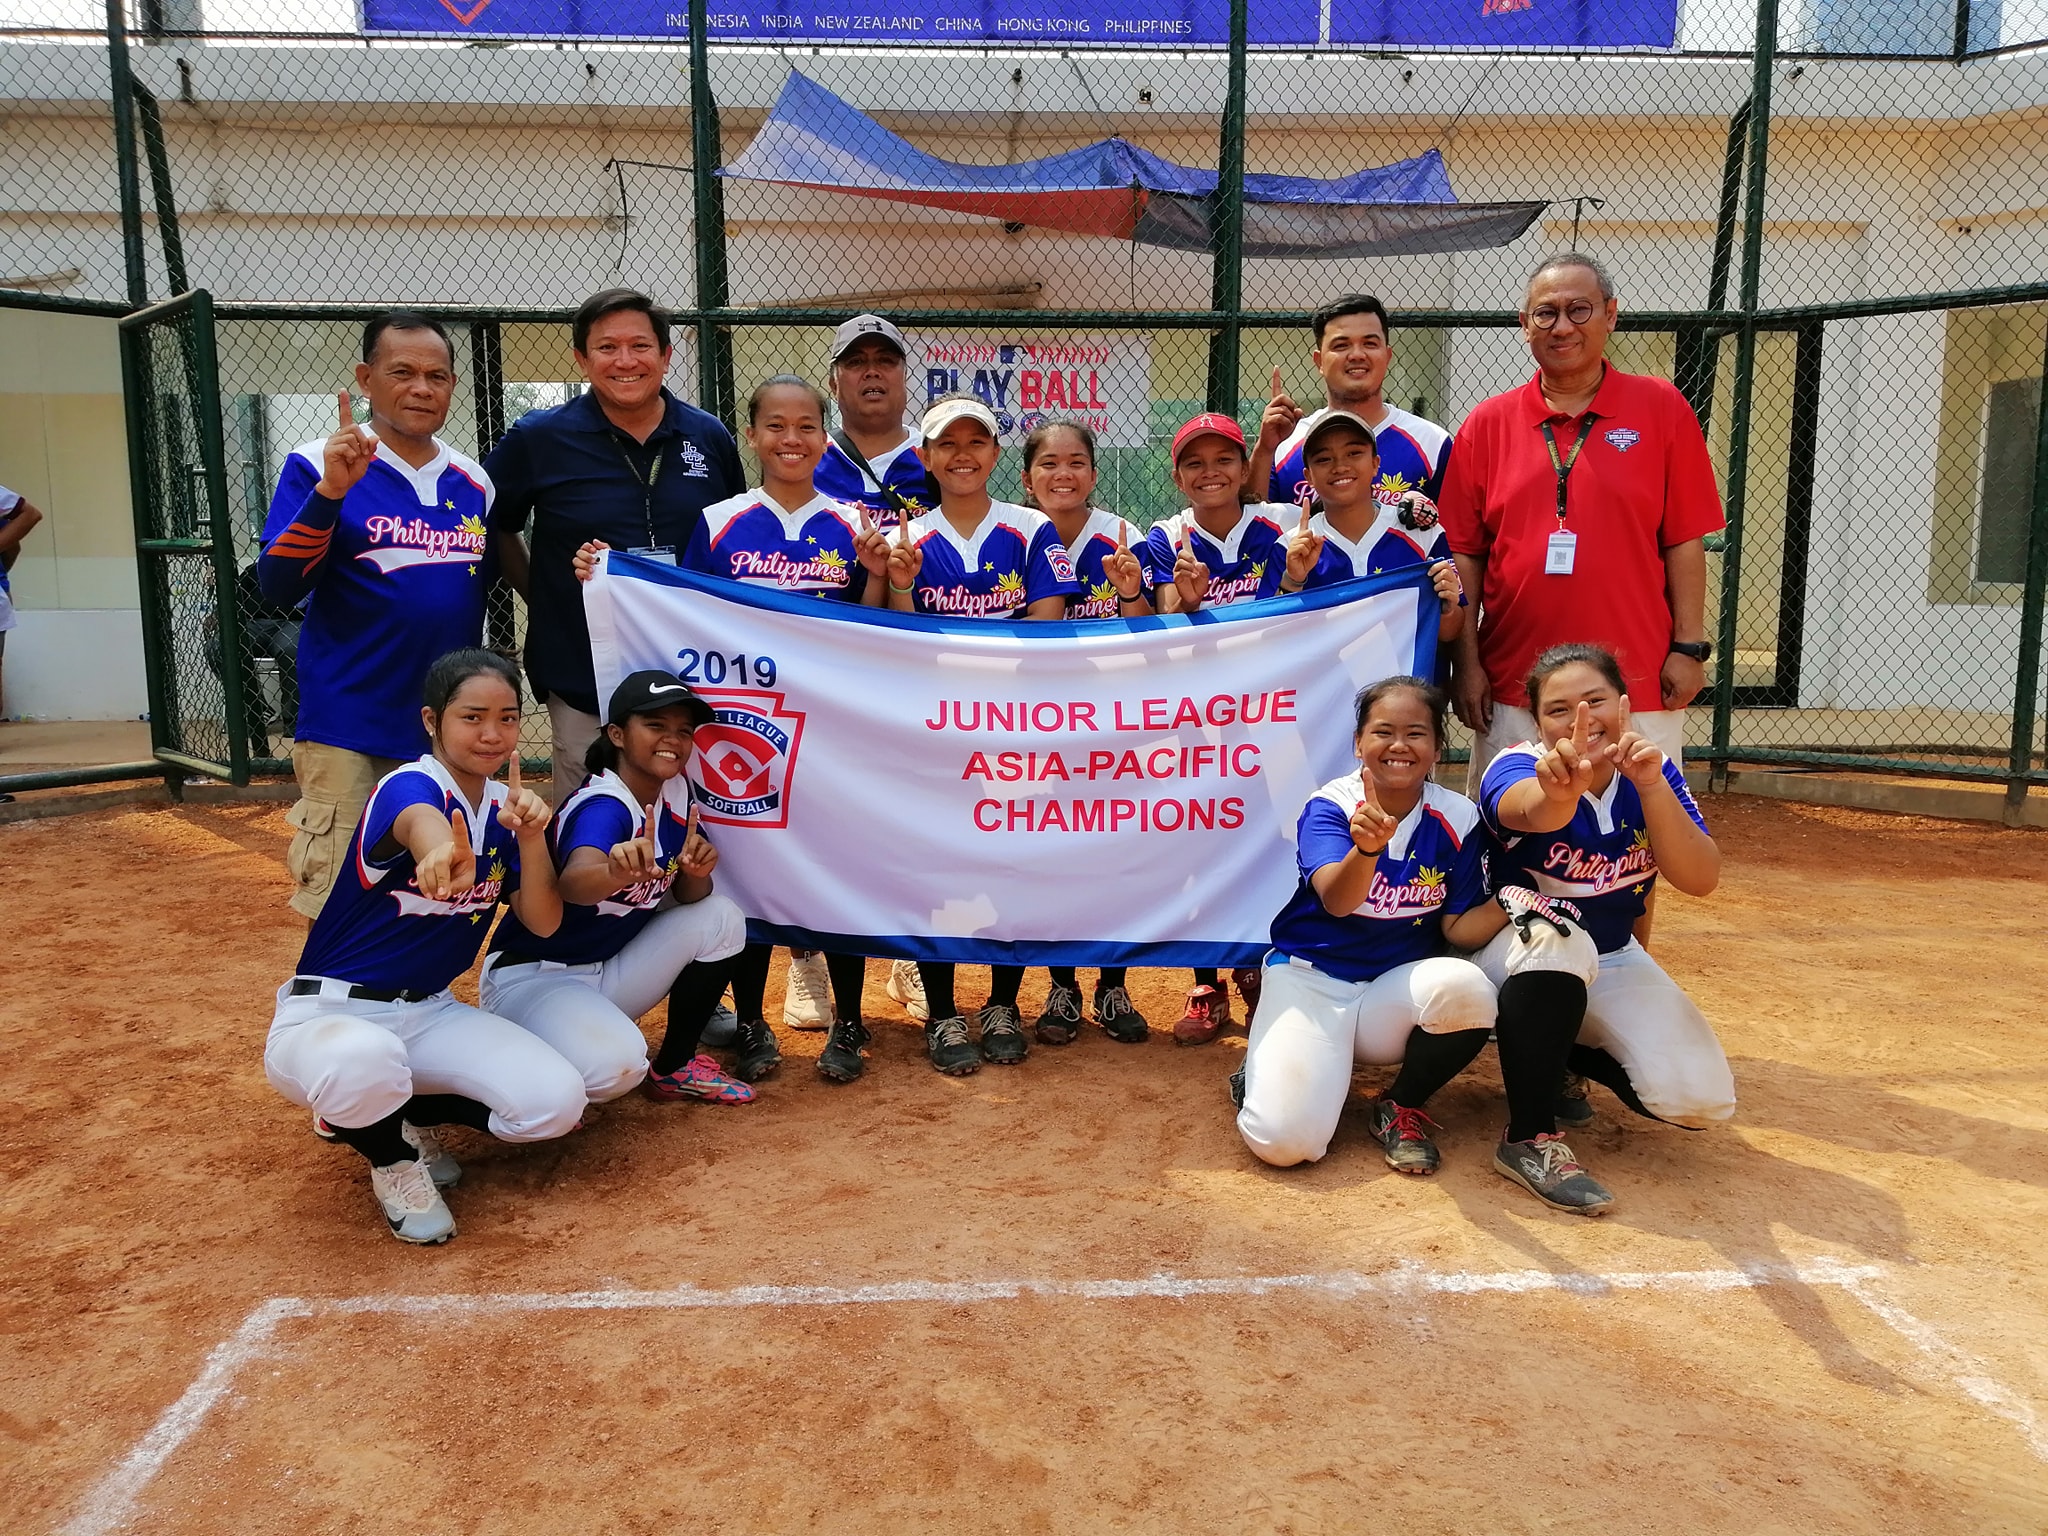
698, 1078
1207, 1016
1119, 1020
758, 1054
1060, 1023
1546, 1168
441, 1165
840, 1061
1404, 1137
807, 996
1237, 1087
724, 1027
907, 988
412, 1205
951, 1052
1574, 1108
1248, 979
1003, 1041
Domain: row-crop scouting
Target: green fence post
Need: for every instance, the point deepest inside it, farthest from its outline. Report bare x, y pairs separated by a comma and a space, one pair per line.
1226, 284
1745, 378
136, 393
121, 99
714, 360
153, 145
212, 460
2027, 683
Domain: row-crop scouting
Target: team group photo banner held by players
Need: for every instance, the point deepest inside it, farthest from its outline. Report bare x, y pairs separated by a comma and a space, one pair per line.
1104, 793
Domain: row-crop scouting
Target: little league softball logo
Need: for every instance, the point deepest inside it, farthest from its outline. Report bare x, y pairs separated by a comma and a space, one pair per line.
746, 756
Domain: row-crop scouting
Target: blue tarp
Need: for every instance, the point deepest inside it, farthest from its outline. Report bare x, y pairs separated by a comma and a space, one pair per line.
1112, 187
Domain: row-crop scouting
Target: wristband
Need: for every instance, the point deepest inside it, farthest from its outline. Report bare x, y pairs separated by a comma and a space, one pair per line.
903, 591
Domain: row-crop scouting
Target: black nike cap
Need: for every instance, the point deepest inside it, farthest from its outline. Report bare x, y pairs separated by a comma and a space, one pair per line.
642, 693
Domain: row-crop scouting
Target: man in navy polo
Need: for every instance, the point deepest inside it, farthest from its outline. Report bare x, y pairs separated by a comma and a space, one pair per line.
627, 463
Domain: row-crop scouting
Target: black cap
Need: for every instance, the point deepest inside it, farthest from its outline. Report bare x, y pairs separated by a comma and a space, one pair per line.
642, 693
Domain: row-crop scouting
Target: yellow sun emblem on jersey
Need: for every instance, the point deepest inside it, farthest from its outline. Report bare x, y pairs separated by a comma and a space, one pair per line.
675, 863
498, 870
1102, 589
1394, 485
832, 559
913, 506
1429, 875
1641, 839
1011, 584
473, 524
1259, 571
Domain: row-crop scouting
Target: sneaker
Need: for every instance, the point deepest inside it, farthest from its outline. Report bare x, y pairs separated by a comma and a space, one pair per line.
698, 1078
1237, 1087
1119, 1020
946, 1042
1207, 1016
840, 1061
907, 988
1574, 1106
412, 1205
1248, 979
1003, 1041
1404, 1137
1060, 1023
1545, 1167
441, 1165
724, 1027
807, 996
759, 1055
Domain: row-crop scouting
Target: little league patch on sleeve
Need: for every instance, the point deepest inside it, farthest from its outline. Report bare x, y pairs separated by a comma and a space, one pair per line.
1062, 564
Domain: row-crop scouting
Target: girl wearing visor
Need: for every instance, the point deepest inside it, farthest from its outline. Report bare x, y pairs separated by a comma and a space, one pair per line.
973, 557
639, 919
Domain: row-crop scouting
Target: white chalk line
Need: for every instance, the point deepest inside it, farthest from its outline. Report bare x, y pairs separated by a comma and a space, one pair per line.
111, 1504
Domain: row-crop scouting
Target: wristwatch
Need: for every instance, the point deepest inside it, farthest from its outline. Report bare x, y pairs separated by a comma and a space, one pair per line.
1698, 650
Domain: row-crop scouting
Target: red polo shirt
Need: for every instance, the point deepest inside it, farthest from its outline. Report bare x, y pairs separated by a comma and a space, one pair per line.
1642, 483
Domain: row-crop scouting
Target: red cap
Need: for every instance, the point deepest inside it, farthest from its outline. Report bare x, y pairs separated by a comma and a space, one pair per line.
1204, 425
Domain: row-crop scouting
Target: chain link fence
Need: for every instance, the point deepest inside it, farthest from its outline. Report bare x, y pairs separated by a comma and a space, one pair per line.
1869, 208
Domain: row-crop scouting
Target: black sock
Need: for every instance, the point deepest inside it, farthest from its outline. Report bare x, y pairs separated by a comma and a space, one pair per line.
1592, 1062
849, 975
1205, 978
1540, 1014
750, 982
448, 1109
1110, 976
692, 997
937, 976
1431, 1061
381, 1142
1004, 983
1063, 976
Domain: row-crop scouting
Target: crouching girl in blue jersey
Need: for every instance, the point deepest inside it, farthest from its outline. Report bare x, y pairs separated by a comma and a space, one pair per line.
367, 1034
639, 918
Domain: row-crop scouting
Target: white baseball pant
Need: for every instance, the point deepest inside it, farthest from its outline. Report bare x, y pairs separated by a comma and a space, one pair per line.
1644, 1020
1311, 1027
352, 1062
1513, 725
590, 1013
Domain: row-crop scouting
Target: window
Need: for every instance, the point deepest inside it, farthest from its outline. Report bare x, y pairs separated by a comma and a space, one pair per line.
2005, 499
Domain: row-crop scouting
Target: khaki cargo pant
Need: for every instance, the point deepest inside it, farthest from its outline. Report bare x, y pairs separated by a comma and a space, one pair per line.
334, 786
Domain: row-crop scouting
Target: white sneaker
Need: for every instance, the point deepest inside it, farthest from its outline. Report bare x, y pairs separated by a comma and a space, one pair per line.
907, 987
441, 1165
724, 1027
412, 1205
807, 997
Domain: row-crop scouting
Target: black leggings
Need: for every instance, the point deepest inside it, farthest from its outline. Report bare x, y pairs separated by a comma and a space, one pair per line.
1539, 1018
1109, 976
849, 975
1431, 1061
1004, 981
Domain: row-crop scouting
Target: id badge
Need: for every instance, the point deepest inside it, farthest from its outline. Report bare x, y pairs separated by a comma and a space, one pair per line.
666, 553
1559, 557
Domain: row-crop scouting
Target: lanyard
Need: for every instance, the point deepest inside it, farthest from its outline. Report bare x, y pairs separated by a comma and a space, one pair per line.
1563, 465
645, 482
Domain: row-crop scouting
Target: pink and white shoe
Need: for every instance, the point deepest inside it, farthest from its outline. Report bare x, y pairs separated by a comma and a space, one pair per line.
698, 1078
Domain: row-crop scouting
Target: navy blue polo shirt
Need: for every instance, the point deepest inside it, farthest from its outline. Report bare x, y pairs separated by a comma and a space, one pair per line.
581, 478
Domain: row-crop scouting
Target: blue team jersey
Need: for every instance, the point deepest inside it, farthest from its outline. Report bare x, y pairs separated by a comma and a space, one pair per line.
1434, 864
1600, 859
377, 930
599, 815
750, 538
1245, 564
397, 575
1413, 453
1097, 598
1385, 546
1013, 558
900, 469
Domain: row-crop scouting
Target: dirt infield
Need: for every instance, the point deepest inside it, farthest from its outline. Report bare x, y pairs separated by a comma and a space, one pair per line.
887, 1307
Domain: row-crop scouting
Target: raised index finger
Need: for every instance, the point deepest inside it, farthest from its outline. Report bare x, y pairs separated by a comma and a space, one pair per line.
1278, 390
1582, 722
348, 415
512, 771
690, 830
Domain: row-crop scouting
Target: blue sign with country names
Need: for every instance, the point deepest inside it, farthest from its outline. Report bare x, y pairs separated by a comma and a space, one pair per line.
1113, 23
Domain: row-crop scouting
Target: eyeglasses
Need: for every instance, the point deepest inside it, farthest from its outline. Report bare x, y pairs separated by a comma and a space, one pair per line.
1544, 316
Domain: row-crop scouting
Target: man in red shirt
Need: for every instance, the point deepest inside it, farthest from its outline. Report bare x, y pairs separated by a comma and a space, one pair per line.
1577, 507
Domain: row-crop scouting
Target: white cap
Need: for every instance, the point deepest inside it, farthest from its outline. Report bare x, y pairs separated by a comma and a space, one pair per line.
859, 328
946, 412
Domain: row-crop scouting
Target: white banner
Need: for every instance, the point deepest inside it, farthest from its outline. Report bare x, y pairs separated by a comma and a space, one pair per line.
1104, 380
1120, 792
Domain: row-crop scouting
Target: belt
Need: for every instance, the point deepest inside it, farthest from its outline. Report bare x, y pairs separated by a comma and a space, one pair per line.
314, 986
